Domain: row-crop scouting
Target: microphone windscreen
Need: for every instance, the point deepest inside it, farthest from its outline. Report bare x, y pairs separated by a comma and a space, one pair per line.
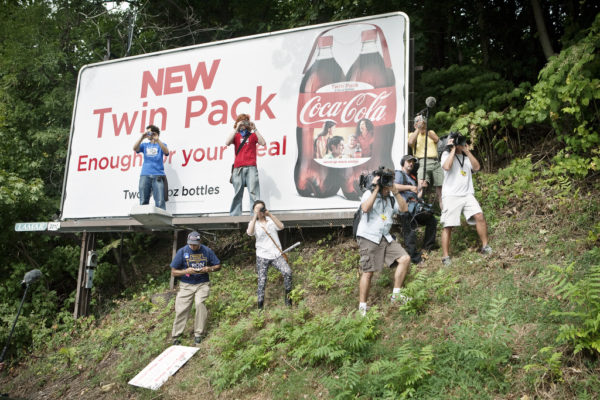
430, 101
32, 276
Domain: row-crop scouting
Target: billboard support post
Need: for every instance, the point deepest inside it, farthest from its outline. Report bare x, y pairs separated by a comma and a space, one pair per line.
82, 296
172, 280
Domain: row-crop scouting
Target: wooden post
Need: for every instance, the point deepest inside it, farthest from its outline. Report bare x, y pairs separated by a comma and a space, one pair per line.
172, 281
82, 297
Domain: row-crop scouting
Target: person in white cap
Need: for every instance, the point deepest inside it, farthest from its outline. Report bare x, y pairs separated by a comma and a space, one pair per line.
192, 264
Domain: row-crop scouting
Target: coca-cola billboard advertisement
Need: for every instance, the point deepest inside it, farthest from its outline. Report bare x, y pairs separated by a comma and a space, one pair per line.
330, 101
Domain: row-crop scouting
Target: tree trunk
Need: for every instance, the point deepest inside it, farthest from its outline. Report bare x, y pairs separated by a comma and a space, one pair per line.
541, 29
483, 36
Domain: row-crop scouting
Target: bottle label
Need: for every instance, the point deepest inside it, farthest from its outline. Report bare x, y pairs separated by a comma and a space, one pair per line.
347, 108
337, 116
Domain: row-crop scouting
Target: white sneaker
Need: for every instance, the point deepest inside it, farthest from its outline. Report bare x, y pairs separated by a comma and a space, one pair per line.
400, 298
363, 311
486, 250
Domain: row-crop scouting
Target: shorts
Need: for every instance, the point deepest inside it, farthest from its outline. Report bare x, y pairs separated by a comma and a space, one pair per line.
373, 256
454, 205
434, 170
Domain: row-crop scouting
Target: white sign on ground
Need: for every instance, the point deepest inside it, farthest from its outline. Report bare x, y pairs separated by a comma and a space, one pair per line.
294, 84
162, 367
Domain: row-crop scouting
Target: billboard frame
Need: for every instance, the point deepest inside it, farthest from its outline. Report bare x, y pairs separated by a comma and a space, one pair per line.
334, 216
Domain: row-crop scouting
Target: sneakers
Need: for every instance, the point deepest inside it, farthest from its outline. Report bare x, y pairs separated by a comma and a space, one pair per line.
197, 340
400, 298
486, 250
176, 341
446, 261
363, 311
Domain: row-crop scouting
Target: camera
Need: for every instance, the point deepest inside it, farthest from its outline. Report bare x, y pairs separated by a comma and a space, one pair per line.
244, 125
423, 208
458, 140
263, 209
386, 178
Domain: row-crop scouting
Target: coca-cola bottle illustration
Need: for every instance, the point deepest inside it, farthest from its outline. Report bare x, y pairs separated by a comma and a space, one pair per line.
311, 177
375, 131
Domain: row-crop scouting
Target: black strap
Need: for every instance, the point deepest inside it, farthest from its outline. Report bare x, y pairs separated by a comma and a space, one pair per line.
462, 164
241, 144
403, 178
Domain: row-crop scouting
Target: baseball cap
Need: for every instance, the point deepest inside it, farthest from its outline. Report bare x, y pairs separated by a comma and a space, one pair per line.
408, 157
193, 238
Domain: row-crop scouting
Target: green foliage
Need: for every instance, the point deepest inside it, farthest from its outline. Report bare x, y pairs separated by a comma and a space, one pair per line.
486, 339
509, 186
546, 365
322, 270
394, 377
326, 270
332, 339
566, 96
593, 237
580, 294
426, 286
231, 298
246, 348
500, 117
472, 359
469, 86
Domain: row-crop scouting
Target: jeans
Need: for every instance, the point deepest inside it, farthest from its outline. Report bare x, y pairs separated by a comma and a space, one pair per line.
409, 229
153, 184
244, 177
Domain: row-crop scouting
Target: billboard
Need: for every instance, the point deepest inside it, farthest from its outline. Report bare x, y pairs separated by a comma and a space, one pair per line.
330, 101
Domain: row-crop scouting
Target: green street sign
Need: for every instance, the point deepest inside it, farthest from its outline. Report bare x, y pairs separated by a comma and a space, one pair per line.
30, 226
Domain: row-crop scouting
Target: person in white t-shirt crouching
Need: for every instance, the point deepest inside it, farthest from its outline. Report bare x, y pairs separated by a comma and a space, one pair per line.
458, 194
264, 226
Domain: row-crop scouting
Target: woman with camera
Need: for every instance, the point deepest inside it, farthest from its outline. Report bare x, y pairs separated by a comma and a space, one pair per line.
264, 226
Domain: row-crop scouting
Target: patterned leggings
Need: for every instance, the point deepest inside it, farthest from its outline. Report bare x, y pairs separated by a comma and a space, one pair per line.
262, 266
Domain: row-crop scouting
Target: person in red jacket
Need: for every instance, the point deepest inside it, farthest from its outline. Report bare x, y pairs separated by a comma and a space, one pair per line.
245, 138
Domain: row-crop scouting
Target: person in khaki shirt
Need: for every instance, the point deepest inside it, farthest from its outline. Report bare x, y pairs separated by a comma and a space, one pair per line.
435, 174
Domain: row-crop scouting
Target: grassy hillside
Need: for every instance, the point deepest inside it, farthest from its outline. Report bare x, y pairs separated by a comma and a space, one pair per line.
520, 324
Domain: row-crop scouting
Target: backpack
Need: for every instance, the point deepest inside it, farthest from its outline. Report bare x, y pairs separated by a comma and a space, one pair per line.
358, 215
441, 145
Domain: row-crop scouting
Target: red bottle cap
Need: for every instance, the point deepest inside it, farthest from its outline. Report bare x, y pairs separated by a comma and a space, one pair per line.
326, 41
368, 35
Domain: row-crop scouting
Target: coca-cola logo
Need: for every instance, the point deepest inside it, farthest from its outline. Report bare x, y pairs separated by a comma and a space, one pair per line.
347, 108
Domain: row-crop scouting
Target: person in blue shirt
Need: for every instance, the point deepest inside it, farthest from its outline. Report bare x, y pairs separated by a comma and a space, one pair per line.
192, 264
152, 177
375, 244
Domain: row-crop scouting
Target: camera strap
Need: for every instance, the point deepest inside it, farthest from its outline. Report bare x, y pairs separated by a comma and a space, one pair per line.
242, 144
274, 242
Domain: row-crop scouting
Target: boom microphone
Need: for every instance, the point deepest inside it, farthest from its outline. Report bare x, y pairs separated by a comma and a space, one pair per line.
430, 102
31, 277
